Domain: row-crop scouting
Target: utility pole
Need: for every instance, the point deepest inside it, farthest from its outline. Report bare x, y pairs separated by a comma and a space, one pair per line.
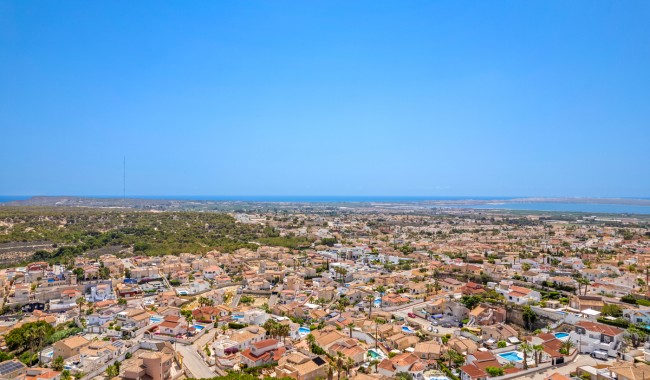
124, 181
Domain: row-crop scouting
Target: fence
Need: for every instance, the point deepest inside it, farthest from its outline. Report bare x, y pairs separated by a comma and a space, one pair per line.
100, 370
540, 367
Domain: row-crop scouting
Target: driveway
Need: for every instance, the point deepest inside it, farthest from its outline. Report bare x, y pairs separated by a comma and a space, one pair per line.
194, 363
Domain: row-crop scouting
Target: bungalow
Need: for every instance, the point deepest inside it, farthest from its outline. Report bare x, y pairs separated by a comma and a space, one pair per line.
350, 348
207, 314
499, 332
262, 352
211, 272
394, 299
485, 315
405, 362
472, 288
638, 316
594, 336
521, 295
472, 372
70, 346
429, 350
300, 366
462, 345
172, 326
451, 285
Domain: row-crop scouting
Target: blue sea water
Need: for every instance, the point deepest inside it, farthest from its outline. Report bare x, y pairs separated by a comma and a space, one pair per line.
315, 198
488, 202
569, 207
9, 198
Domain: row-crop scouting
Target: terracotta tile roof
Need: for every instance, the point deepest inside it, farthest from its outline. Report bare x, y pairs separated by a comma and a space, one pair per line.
473, 371
601, 328
265, 343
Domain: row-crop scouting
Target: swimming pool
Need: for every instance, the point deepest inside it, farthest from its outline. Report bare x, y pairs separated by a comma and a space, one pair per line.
375, 355
238, 317
155, 319
408, 330
377, 302
199, 327
561, 335
437, 378
304, 331
512, 356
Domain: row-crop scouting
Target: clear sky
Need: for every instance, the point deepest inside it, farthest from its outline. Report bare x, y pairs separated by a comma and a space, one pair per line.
492, 98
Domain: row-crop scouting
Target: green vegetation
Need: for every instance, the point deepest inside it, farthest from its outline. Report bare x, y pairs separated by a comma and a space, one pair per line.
73, 231
247, 300
494, 371
618, 322
236, 326
529, 317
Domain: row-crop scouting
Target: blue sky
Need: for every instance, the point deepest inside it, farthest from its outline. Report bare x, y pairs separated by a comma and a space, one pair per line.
325, 97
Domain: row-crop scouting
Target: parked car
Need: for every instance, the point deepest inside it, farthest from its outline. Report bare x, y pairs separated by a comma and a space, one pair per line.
411, 315
600, 354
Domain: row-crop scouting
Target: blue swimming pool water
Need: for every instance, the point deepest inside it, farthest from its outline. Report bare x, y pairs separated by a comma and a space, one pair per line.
304, 330
199, 327
561, 335
408, 330
374, 355
155, 319
237, 317
512, 356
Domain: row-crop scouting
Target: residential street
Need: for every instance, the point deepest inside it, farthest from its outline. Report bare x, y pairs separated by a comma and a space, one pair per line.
193, 361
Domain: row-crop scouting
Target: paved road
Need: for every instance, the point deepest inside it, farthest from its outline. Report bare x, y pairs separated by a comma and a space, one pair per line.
193, 361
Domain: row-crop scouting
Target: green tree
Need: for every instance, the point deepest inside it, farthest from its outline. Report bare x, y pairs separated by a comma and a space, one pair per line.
494, 371
526, 349
57, 364
529, 317
111, 371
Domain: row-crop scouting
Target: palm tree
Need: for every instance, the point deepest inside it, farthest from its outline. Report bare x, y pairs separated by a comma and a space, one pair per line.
351, 325
348, 365
370, 299
271, 327
567, 346
284, 331
537, 351
311, 339
525, 348
584, 282
430, 287
374, 362
80, 302
376, 333
339, 364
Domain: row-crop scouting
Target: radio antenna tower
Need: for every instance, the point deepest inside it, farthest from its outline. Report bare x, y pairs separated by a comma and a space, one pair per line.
124, 181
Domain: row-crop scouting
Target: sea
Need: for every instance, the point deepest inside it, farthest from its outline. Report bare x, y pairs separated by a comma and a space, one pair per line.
495, 203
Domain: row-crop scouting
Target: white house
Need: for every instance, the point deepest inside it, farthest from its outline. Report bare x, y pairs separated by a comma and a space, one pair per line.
591, 336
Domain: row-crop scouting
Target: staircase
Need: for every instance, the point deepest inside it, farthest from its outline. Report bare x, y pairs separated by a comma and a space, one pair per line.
235, 300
